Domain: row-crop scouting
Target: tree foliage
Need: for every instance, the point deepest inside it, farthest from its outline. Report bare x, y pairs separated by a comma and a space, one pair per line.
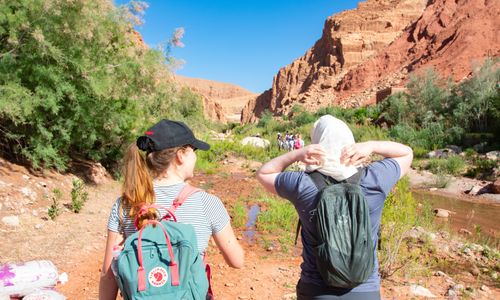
434, 112
76, 80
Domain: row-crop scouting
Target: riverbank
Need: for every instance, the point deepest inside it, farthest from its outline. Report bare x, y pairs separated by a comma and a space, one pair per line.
457, 187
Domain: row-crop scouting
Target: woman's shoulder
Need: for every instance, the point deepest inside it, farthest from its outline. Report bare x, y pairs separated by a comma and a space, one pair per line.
205, 196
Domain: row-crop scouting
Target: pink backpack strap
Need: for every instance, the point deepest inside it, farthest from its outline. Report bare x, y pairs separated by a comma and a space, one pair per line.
141, 273
186, 191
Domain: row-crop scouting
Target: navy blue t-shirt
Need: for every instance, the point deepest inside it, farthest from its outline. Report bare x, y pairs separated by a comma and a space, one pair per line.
299, 189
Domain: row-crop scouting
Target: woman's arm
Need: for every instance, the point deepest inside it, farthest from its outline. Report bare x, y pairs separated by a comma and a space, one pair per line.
267, 173
108, 288
357, 153
229, 246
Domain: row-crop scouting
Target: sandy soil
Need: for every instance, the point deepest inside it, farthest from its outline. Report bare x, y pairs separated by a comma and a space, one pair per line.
75, 242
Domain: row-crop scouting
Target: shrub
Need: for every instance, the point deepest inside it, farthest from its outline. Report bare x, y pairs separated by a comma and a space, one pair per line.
75, 81
363, 133
54, 209
78, 195
399, 216
304, 118
455, 165
441, 180
265, 119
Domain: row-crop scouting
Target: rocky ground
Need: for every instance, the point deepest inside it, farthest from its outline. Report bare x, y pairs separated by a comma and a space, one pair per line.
75, 243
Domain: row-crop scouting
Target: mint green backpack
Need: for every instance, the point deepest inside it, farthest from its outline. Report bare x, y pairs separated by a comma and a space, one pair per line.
161, 260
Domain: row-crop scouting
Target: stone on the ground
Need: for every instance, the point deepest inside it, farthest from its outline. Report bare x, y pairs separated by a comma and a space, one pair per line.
476, 247
493, 155
12, 221
97, 174
475, 190
420, 291
458, 287
454, 148
484, 288
256, 142
26, 191
442, 213
464, 231
452, 294
442, 153
495, 186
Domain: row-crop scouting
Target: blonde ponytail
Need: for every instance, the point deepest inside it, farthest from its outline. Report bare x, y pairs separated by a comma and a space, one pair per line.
138, 184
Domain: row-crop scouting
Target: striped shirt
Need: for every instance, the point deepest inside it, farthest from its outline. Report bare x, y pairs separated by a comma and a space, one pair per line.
204, 211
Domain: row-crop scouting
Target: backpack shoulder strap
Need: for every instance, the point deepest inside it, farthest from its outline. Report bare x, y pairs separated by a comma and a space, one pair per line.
356, 178
186, 191
322, 181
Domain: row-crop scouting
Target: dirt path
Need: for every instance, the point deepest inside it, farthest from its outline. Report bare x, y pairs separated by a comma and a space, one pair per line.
75, 242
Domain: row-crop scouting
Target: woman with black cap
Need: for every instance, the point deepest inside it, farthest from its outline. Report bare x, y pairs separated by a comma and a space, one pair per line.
158, 177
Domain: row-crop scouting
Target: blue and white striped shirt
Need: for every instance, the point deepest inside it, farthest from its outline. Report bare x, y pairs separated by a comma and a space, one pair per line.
204, 211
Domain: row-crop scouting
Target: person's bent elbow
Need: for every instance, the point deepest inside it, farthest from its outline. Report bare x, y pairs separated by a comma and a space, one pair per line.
238, 261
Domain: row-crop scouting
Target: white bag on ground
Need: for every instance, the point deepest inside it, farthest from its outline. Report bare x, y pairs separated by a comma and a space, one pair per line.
24, 278
45, 295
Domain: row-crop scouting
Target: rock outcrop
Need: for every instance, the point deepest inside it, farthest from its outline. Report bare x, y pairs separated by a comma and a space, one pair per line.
377, 45
452, 37
348, 39
221, 101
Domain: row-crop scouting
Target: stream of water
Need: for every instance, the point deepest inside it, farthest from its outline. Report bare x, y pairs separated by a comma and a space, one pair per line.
481, 219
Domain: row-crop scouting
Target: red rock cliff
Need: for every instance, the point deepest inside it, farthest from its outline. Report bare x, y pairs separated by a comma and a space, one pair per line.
348, 38
375, 46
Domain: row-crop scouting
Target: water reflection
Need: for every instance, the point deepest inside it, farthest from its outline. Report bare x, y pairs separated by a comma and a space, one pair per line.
249, 233
476, 218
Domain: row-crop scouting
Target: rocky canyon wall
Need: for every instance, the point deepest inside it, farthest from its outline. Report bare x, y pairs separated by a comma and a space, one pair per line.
377, 46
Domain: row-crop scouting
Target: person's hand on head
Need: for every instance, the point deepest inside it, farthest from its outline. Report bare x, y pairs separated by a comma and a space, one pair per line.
312, 154
355, 154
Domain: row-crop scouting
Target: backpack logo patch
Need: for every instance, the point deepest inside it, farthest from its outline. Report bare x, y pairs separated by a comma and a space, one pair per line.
158, 277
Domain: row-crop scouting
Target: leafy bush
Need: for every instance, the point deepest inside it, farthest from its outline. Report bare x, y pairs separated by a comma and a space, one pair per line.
76, 81
304, 118
265, 119
54, 209
78, 195
441, 180
455, 165
452, 165
434, 112
399, 216
482, 168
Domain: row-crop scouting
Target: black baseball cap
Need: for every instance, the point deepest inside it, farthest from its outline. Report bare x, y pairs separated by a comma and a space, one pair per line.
169, 134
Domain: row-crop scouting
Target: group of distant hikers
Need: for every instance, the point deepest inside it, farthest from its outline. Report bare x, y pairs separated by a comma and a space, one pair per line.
159, 228
289, 141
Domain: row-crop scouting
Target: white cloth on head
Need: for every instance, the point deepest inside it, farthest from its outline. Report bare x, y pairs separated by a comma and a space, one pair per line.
333, 135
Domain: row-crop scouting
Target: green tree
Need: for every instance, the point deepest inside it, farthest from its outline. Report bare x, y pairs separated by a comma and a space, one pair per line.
76, 80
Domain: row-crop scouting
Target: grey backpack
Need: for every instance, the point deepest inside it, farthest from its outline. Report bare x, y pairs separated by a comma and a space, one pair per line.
344, 250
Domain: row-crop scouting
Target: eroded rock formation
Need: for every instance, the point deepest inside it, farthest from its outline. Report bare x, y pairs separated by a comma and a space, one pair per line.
377, 45
348, 39
221, 101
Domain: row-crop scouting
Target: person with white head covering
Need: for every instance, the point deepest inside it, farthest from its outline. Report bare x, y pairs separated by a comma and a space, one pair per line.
335, 153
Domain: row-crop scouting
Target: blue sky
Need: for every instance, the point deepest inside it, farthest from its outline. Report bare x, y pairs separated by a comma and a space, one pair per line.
244, 42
